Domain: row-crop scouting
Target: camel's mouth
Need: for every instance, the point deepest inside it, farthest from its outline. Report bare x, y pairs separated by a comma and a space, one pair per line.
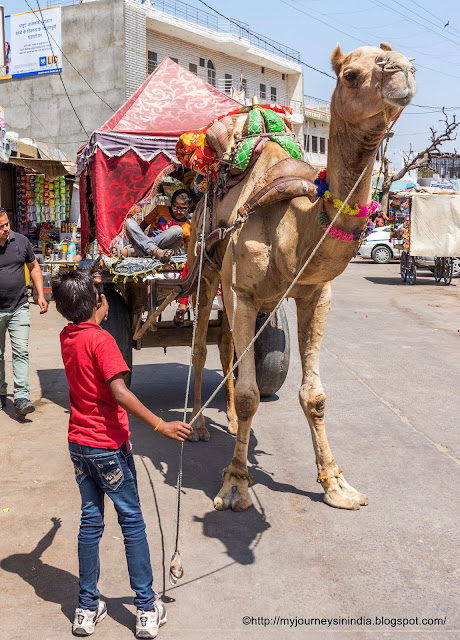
398, 102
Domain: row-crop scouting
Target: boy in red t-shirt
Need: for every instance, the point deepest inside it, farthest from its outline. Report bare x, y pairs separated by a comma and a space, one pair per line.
101, 453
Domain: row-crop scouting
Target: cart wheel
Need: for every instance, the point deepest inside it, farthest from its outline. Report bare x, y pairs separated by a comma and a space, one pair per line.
448, 268
411, 269
403, 266
438, 269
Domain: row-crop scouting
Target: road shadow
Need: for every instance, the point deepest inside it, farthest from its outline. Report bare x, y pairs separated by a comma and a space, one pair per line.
396, 280
52, 584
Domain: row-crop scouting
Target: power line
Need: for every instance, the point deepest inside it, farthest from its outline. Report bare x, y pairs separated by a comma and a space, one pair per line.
55, 61
410, 19
251, 33
67, 59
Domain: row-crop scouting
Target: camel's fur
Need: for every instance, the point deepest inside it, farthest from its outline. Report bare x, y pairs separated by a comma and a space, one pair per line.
273, 245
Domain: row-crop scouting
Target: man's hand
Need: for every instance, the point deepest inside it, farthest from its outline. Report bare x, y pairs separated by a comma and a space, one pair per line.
102, 310
175, 430
42, 304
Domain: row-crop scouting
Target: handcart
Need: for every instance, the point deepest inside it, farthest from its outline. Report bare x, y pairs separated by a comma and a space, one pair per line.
429, 226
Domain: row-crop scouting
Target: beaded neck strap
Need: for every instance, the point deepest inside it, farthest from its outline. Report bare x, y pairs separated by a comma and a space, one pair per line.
359, 210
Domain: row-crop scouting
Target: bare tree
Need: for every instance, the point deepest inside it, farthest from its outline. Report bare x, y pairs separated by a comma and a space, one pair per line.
419, 160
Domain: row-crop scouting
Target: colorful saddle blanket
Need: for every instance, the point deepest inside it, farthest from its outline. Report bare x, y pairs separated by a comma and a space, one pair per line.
202, 149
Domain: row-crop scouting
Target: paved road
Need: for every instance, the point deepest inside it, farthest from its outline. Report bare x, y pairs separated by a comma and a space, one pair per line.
391, 372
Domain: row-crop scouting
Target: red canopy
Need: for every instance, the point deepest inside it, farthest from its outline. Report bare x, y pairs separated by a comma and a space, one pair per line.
171, 101
123, 158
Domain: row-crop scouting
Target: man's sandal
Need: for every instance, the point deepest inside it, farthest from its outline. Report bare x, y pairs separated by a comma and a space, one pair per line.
165, 256
179, 317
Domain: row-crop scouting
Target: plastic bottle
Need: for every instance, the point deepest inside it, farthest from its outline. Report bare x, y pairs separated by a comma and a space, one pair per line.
71, 251
95, 248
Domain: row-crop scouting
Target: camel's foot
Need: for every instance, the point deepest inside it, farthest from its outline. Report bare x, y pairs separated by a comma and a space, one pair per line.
234, 492
338, 493
199, 430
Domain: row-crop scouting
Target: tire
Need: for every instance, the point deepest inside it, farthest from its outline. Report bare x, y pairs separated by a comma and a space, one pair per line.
118, 324
455, 267
411, 270
381, 254
438, 268
403, 266
447, 273
272, 354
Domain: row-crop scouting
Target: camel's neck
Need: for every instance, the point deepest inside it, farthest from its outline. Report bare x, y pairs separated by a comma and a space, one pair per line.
350, 149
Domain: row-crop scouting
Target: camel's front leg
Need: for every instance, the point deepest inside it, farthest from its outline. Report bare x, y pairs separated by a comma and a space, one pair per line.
312, 315
234, 492
226, 357
207, 292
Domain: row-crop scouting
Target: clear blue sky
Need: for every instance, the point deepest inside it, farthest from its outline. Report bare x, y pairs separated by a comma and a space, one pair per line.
313, 27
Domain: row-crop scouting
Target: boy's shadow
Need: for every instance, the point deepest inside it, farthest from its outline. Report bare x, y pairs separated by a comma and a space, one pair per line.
56, 585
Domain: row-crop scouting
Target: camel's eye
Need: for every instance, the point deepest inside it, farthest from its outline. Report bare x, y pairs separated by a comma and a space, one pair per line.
350, 75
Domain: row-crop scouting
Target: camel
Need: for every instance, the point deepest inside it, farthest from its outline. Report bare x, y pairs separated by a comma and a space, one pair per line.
374, 84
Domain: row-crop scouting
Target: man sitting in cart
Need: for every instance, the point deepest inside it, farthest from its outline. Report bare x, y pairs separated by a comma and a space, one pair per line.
168, 228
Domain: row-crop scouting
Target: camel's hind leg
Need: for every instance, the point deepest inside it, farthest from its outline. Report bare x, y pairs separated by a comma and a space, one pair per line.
234, 492
226, 357
312, 315
208, 289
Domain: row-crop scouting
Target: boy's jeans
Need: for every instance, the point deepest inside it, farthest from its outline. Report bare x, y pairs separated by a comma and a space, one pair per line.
18, 326
144, 245
112, 472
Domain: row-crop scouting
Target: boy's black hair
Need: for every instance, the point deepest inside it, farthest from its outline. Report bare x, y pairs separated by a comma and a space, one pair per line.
49, 245
182, 195
75, 295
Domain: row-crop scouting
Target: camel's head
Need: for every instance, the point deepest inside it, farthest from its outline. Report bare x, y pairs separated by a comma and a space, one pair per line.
369, 78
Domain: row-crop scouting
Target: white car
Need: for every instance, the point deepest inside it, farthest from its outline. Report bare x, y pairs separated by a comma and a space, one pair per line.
379, 247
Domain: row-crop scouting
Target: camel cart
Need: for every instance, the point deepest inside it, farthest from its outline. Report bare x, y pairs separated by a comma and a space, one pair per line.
429, 234
123, 163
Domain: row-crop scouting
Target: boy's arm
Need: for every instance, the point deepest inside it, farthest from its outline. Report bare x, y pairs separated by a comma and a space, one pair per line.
125, 398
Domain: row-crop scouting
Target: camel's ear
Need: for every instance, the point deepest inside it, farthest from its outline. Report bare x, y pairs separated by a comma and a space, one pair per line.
337, 58
385, 46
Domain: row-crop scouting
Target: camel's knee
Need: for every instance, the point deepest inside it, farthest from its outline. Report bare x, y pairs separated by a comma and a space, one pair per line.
246, 402
313, 401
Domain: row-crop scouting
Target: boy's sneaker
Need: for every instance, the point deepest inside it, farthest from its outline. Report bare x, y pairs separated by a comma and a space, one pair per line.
23, 406
86, 620
148, 622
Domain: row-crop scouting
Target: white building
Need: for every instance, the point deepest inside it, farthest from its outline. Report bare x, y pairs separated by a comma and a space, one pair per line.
316, 131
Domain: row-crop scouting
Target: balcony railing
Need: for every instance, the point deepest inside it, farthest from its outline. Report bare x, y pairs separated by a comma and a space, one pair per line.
316, 104
221, 25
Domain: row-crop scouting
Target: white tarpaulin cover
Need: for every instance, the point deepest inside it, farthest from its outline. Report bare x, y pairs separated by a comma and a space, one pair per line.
435, 225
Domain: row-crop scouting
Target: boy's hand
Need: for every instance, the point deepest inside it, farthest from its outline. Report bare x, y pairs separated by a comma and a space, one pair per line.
102, 310
175, 430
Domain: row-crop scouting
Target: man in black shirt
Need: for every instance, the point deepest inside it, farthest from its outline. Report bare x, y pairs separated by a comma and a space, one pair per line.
15, 252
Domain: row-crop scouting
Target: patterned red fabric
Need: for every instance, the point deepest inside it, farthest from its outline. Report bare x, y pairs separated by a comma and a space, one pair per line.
120, 183
172, 100
84, 221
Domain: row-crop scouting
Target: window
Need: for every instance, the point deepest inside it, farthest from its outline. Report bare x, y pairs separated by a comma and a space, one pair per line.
263, 92
272, 94
262, 69
322, 145
202, 62
283, 76
152, 61
306, 143
193, 68
314, 144
174, 60
228, 83
244, 86
211, 73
